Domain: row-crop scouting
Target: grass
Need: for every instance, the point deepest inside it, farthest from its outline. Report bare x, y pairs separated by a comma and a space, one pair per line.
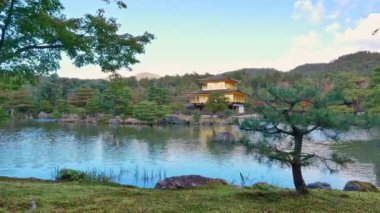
17, 195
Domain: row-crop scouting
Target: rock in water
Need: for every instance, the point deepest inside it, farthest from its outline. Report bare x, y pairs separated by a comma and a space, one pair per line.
318, 185
173, 120
354, 185
187, 181
224, 137
43, 115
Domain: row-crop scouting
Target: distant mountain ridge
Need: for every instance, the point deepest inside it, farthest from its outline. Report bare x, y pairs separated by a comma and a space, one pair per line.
361, 62
146, 75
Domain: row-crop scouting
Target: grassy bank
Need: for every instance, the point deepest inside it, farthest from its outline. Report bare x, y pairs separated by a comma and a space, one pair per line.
19, 194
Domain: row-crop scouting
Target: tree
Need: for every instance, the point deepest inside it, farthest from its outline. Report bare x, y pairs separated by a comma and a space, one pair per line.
150, 112
374, 92
354, 89
34, 34
94, 105
19, 101
281, 119
217, 103
45, 106
117, 97
159, 95
80, 98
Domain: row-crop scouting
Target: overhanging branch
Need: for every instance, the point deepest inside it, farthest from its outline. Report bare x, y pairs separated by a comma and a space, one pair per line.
7, 22
30, 47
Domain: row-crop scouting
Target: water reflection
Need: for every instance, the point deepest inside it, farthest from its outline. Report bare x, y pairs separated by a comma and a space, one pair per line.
142, 155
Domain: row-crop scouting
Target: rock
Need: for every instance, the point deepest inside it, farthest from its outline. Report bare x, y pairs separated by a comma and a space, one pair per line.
91, 120
354, 185
224, 137
115, 121
43, 115
318, 185
173, 120
132, 121
70, 118
187, 181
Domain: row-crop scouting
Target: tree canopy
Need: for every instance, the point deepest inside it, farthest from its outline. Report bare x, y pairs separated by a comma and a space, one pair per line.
293, 112
35, 34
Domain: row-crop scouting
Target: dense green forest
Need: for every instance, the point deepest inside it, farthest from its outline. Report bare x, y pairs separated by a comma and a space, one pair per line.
26, 96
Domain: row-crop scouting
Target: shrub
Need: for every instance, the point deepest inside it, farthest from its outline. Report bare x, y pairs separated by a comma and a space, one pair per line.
71, 175
196, 116
55, 115
88, 176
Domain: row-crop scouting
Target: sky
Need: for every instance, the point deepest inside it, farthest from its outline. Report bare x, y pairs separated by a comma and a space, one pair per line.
215, 36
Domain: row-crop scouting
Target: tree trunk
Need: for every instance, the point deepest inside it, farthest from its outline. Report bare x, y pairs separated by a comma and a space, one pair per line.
299, 183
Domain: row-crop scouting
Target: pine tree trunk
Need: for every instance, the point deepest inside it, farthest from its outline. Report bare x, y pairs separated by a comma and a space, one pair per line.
299, 183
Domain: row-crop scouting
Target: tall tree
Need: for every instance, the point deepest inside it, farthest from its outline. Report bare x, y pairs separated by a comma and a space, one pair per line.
80, 98
216, 102
373, 103
34, 34
282, 117
117, 97
158, 94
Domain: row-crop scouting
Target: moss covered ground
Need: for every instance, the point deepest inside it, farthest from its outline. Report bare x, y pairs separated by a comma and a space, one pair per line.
18, 195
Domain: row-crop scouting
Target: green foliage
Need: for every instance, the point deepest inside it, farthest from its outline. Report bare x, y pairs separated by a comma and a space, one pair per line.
150, 112
94, 105
80, 98
79, 176
159, 95
34, 35
45, 106
373, 103
55, 115
281, 118
81, 112
216, 102
196, 116
62, 105
3, 114
19, 101
354, 89
117, 97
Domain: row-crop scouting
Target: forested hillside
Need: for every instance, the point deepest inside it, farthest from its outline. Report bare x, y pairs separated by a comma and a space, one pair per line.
126, 96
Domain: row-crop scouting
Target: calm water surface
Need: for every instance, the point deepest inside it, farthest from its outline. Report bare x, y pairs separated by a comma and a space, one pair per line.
143, 155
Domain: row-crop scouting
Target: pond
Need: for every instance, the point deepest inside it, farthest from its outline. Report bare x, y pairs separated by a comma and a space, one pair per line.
143, 155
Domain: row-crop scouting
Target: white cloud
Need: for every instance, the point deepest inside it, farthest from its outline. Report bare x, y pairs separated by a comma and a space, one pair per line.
311, 48
333, 28
313, 12
308, 41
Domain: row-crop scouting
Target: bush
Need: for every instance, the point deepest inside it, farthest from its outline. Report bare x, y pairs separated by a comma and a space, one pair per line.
3, 113
196, 116
79, 176
71, 175
55, 115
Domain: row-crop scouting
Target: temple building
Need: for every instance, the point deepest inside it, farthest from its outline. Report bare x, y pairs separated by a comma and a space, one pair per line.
222, 84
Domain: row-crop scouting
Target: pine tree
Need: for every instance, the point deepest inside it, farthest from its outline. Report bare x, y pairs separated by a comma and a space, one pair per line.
282, 117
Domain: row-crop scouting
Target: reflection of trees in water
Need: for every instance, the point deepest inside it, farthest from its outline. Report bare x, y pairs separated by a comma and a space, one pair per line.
364, 152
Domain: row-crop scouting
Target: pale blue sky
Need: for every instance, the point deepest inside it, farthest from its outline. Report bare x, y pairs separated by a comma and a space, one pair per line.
221, 35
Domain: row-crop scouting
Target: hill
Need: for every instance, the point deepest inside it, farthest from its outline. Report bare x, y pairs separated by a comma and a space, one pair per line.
361, 62
251, 72
146, 75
